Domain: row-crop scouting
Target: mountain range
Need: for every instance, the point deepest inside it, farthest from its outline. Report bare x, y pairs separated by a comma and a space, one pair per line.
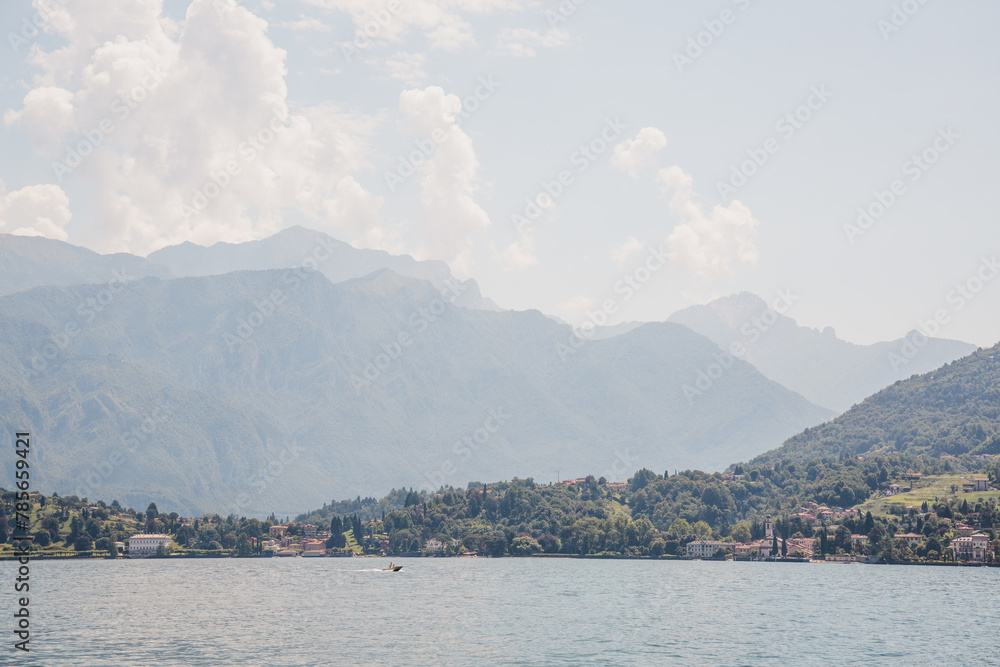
274, 374
34, 261
255, 394
825, 369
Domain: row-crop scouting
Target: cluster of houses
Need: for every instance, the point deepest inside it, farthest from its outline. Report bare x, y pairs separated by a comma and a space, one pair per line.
975, 485
968, 547
795, 547
310, 544
812, 513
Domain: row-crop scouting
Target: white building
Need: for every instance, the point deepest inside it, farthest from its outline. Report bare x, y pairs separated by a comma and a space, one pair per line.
971, 549
146, 543
705, 548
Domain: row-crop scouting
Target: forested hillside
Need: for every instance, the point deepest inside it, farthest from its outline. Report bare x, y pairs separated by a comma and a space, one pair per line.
950, 411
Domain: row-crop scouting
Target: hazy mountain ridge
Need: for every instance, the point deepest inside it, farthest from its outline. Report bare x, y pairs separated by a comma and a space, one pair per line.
321, 369
826, 370
297, 246
35, 261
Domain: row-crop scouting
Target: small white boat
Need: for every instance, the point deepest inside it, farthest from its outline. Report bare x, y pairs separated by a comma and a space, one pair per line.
392, 568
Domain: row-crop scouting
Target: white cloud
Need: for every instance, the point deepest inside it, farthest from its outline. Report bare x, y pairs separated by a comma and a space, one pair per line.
35, 210
450, 177
520, 254
524, 43
625, 250
441, 21
707, 244
212, 92
545, 202
354, 208
638, 153
407, 67
46, 115
575, 308
305, 23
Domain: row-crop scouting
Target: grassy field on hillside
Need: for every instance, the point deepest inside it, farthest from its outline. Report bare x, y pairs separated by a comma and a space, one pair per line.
930, 489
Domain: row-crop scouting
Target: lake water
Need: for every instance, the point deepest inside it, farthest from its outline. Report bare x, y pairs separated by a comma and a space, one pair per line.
331, 611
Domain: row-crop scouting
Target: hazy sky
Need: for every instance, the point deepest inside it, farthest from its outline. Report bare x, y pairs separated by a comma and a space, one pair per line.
122, 117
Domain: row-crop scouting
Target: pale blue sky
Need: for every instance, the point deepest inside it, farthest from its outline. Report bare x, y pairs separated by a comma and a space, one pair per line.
558, 88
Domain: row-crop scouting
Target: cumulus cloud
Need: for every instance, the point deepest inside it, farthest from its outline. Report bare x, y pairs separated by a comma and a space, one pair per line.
520, 254
707, 243
450, 178
35, 210
187, 131
46, 115
524, 43
625, 250
441, 21
636, 154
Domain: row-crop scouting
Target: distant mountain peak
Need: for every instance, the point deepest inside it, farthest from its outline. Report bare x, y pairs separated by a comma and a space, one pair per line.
743, 299
296, 246
815, 363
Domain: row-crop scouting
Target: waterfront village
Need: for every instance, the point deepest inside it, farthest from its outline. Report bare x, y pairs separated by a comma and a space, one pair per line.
959, 529
829, 525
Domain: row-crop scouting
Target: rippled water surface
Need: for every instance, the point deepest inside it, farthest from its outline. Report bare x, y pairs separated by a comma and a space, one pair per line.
503, 611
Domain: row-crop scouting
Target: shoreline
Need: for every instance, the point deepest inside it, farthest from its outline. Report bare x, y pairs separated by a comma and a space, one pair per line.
76, 558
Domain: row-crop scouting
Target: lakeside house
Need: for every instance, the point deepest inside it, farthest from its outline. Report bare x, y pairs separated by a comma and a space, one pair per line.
970, 549
705, 548
145, 544
313, 548
910, 538
278, 530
